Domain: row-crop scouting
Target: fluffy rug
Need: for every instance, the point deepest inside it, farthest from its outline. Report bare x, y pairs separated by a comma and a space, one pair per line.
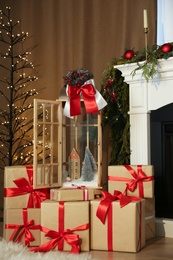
14, 251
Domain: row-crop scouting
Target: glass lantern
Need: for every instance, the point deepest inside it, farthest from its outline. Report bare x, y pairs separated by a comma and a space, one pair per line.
65, 147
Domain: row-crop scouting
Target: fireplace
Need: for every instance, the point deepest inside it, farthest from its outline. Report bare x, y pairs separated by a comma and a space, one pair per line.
151, 141
161, 125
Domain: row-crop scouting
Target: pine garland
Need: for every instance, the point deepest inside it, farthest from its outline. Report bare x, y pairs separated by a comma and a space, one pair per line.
116, 92
115, 115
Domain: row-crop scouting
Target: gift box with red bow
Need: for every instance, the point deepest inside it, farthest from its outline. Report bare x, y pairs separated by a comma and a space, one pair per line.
65, 226
23, 226
117, 223
18, 188
137, 180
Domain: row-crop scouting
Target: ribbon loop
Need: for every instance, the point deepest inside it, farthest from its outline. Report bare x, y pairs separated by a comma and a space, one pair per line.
93, 100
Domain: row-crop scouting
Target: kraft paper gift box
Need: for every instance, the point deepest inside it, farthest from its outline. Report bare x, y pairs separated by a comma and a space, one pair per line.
18, 188
150, 229
135, 180
64, 221
74, 194
123, 229
23, 226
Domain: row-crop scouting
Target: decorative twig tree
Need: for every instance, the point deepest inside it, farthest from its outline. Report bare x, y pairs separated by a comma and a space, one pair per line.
16, 76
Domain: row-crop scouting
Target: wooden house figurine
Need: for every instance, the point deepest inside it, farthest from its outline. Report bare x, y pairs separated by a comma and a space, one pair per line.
74, 165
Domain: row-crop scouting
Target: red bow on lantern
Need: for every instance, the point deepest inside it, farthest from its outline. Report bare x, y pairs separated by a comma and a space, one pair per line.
93, 100
88, 93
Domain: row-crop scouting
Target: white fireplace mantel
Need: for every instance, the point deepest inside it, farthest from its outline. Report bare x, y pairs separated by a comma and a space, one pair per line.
143, 97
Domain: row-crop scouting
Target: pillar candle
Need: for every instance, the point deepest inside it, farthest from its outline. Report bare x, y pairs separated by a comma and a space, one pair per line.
145, 19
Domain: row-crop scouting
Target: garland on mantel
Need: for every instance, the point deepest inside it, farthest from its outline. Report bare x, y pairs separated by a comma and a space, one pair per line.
116, 92
150, 57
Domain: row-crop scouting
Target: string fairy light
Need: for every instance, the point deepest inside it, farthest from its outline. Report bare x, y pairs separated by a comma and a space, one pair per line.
15, 124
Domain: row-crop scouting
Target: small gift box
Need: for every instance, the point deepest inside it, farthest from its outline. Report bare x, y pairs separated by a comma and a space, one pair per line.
18, 188
137, 180
65, 226
74, 194
22, 226
117, 225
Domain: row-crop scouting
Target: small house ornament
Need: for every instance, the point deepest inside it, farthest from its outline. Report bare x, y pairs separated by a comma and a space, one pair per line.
74, 164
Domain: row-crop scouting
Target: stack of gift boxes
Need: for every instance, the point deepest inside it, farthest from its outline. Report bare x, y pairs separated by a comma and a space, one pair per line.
81, 218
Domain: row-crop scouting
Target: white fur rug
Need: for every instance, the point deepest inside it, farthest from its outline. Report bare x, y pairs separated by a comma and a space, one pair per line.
14, 251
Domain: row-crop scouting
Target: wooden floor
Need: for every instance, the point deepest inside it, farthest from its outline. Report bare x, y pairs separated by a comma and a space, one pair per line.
157, 248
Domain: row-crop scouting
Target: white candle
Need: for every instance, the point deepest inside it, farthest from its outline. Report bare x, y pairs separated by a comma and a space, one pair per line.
145, 19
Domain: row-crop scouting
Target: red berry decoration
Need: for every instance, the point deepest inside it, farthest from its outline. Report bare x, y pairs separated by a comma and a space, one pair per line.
113, 96
129, 54
167, 47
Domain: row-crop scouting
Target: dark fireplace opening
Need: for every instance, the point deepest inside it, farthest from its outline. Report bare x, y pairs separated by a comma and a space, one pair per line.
162, 159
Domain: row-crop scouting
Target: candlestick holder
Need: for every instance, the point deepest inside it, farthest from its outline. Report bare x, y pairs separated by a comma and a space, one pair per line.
146, 41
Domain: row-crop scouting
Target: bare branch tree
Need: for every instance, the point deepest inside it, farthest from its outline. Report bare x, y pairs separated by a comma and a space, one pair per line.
16, 79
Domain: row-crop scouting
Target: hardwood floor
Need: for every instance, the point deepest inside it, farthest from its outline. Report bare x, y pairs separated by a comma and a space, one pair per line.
155, 249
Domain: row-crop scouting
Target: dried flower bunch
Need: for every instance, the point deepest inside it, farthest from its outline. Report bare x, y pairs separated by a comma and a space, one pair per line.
77, 77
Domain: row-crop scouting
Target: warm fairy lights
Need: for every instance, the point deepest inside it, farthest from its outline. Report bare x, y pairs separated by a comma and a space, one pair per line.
16, 123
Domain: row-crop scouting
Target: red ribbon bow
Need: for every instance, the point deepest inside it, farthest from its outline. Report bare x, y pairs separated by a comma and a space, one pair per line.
36, 196
57, 238
23, 230
139, 178
88, 94
106, 201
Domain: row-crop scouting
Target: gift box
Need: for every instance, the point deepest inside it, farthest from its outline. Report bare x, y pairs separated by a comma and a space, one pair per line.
74, 194
18, 188
123, 228
150, 229
22, 226
136, 180
65, 226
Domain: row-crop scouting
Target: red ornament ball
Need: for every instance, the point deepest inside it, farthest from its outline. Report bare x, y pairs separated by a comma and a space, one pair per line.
167, 47
129, 54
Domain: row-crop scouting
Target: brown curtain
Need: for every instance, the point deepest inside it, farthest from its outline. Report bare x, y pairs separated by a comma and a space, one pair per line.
71, 34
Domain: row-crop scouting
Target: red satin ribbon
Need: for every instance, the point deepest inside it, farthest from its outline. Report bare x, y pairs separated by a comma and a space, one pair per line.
23, 230
110, 229
36, 196
58, 238
105, 209
138, 180
108, 198
88, 94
